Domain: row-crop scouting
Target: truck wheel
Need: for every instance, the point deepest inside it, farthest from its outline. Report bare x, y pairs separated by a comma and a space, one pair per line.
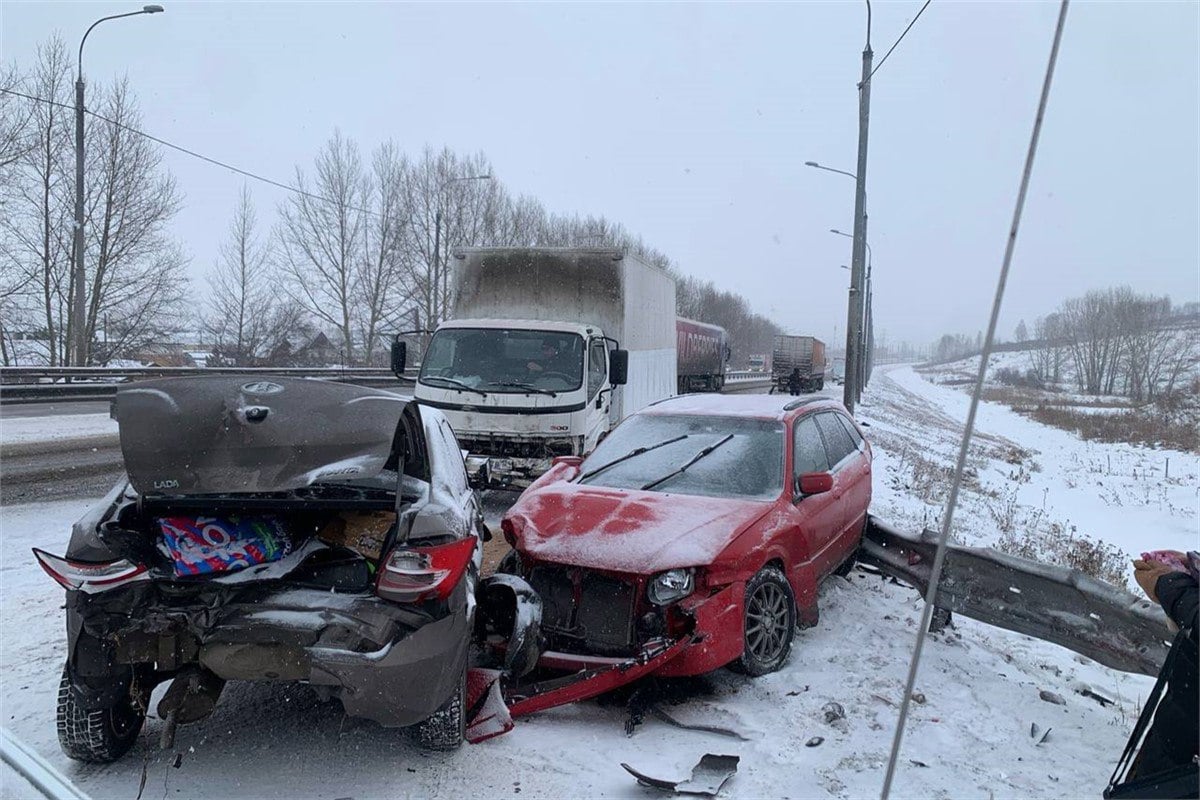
98, 735
820, 384
768, 623
445, 728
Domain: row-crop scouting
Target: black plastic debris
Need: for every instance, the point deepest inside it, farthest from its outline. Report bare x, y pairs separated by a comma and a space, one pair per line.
708, 776
833, 712
814, 741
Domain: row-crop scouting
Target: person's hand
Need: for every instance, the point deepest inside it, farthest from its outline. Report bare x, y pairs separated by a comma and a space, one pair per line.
533, 366
1147, 573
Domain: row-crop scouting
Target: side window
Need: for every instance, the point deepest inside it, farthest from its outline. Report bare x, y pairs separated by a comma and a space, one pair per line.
809, 455
456, 470
855, 436
837, 442
597, 367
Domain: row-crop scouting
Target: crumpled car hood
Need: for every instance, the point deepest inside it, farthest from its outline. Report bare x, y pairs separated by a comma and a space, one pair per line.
228, 434
626, 530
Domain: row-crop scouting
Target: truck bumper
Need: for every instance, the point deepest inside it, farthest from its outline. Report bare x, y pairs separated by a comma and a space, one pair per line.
494, 472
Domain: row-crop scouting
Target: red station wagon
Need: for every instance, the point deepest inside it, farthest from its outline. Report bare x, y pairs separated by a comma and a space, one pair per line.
708, 519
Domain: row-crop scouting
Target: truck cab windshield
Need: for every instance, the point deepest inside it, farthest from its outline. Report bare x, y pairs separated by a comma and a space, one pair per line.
499, 360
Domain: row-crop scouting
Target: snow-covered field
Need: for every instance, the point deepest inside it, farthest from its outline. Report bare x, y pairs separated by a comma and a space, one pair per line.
970, 738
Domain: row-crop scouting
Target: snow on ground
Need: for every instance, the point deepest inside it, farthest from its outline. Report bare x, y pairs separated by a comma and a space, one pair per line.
31, 430
971, 735
1024, 475
970, 738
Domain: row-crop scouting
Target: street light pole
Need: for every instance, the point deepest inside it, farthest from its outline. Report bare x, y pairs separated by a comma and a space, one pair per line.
867, 340
854, 316
78, 325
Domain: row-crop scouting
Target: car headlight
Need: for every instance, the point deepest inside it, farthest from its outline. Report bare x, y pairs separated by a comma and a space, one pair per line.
669, 586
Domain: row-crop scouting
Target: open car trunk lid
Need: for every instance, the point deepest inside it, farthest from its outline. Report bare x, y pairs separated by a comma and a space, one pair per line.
226, 434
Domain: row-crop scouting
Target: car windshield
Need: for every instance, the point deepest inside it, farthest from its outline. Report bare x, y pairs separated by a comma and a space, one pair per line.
504, 360
749, 465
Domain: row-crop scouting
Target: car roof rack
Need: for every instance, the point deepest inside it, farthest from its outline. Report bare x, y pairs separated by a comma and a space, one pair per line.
803, 401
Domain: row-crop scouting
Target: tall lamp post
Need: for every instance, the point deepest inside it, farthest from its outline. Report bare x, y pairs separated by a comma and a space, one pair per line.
852, 389
439, 275
79, 324
865, 359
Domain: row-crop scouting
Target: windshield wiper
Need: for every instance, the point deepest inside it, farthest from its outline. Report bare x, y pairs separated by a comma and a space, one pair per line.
591, 472
454, 382
683, 468
526, 386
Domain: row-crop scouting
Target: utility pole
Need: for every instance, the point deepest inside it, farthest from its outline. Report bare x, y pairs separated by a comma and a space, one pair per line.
78, 314
852, 391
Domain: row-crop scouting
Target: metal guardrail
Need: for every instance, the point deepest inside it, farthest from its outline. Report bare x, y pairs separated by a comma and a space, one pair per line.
1056, 604
59, 384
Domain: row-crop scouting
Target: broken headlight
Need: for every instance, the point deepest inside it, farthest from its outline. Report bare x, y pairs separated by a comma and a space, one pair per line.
667, 587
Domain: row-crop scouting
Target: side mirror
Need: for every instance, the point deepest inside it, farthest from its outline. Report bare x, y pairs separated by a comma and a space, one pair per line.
399, 357
618, 367
814, 483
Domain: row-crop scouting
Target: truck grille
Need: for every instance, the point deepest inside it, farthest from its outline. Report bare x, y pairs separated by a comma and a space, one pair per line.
602, 618
504, 447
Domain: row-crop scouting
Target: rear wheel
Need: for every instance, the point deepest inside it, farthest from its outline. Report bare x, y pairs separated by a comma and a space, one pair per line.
99, 733
769, 623
445, 728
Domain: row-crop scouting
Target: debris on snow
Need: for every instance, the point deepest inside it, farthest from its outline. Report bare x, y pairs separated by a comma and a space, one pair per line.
1051, 697
918, 698
708, 776
833, 712
814, 741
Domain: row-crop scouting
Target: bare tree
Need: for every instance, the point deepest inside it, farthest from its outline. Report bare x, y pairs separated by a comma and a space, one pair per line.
36, 223
320, 233
135, 272
247, 319
380, 270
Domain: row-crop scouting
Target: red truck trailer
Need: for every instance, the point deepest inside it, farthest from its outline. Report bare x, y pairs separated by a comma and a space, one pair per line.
702, 352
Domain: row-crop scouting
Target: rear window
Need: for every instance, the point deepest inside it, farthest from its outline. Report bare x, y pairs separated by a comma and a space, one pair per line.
747, 461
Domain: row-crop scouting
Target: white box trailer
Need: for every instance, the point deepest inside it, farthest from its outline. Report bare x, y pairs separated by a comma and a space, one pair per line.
546, 350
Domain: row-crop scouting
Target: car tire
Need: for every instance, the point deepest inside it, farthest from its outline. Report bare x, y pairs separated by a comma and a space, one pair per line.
445, 728
768, 623
98, 735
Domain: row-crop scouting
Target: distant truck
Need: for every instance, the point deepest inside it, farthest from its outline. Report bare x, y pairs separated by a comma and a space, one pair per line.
702, 351
806, 353
545, 350
757, 362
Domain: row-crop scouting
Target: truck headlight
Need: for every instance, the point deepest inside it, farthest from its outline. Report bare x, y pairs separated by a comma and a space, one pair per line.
669, 586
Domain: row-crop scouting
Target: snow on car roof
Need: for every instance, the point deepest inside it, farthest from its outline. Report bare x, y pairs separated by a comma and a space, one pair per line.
762, 406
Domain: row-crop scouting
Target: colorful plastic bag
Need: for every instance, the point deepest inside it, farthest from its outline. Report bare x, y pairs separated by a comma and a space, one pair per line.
204, 545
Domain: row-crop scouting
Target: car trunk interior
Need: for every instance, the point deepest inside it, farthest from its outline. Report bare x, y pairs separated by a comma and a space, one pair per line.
343, 538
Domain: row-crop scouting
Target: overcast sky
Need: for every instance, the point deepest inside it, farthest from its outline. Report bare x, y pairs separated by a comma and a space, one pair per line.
691, 124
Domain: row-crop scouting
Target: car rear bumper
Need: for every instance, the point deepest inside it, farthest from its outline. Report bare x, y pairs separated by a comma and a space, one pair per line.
386, 662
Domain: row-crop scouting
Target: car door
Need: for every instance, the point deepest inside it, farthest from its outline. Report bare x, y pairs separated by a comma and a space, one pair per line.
858, 494
819, 516
844, 465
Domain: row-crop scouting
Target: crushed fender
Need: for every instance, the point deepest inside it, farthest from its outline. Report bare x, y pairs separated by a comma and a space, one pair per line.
493, 702
708, 776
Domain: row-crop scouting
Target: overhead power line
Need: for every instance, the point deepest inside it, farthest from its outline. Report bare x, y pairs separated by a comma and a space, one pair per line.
186, 151
899, 40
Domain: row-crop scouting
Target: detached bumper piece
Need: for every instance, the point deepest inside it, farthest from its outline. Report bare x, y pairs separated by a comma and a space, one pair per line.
492, 705
708, 776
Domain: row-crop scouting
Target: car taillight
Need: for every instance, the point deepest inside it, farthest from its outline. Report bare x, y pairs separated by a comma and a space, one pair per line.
90, 576
412, 574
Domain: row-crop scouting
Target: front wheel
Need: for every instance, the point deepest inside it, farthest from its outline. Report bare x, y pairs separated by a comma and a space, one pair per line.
769, 623
99, 734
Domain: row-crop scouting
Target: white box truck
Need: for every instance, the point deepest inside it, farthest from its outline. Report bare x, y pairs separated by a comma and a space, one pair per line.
546, 349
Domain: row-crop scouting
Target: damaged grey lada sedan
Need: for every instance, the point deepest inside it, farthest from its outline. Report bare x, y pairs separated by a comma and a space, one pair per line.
271, 530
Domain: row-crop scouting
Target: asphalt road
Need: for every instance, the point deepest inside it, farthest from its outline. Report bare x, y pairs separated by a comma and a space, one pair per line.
20, 410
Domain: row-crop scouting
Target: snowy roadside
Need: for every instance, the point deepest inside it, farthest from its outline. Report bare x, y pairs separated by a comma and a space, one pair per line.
28, 431
1027, 480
